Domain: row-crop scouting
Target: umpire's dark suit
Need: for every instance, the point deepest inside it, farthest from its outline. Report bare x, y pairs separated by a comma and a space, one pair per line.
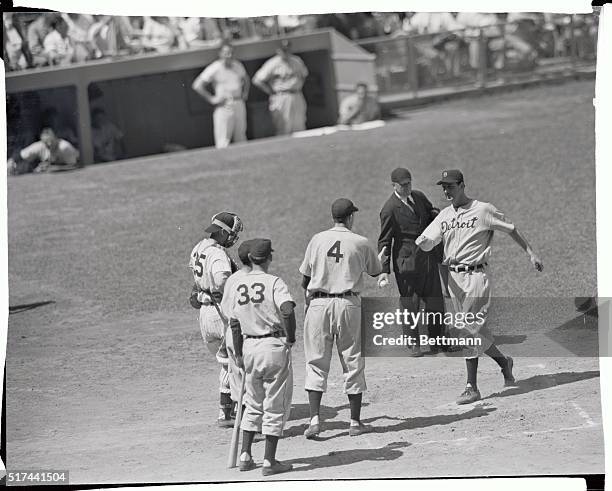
416, 271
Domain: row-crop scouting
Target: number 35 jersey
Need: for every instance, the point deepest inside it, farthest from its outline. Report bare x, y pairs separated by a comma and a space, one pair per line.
336, 260
210, 265
255, 300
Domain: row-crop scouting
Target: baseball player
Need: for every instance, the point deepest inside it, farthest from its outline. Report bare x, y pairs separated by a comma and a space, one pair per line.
282, 78
261, 315
466, 230
332, 270
211, 267
230, 82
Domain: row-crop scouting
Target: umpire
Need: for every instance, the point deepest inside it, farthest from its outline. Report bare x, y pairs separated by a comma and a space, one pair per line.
403, 218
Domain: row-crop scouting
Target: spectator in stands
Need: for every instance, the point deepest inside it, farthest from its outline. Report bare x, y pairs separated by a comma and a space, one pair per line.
37, 32
47, 154
107, 139
282, 78
58, 47
474, 23
52, 119
14, 54
159, 35
359, 107
78, 30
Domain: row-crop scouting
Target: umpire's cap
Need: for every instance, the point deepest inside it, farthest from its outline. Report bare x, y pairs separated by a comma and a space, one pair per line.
451, 176
243, 251
260, 249
342, 208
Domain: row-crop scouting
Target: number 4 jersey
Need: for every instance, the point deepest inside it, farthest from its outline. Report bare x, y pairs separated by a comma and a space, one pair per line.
255, 302
210, 265
336, 259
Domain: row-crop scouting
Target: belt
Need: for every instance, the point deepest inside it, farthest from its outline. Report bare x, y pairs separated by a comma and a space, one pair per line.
334, 295
275, 334
286, 91
464, 268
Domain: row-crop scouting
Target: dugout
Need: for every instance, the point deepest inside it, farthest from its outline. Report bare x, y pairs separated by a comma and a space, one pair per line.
149, 97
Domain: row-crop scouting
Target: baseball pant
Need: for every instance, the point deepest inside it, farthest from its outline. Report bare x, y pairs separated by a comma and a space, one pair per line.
213, 330
269, 385
230, 123
288, 112
329, 319
470, 293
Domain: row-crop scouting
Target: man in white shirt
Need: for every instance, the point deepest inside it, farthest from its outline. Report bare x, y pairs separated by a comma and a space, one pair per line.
359, 107
49, 153
229, 80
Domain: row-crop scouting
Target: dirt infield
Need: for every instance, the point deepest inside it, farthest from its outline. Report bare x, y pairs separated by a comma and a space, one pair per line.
107, 375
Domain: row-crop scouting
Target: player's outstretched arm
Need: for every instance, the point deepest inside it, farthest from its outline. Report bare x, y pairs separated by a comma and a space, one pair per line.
522, 241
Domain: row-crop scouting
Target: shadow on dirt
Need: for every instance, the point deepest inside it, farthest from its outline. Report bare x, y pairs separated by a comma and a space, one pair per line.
302, 411
539, 382
404, 423
347, 457
15, 309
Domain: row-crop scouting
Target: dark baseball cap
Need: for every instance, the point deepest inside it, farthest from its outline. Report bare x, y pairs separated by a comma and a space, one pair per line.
401, 175
451, 176
343, 207
243, 251
223, 217
260, 248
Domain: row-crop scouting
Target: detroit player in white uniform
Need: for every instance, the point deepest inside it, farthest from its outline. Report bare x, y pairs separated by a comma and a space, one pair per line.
333, 268
282, 78
231, 84
466, 230
262, 320
211, 267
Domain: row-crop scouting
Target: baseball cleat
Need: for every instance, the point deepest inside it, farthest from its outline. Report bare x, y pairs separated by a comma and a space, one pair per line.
359, 430
276, 468
509, 380
312, 431
247, 465
468, 396
225, 423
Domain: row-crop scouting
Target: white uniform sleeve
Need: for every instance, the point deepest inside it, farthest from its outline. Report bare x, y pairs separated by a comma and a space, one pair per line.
228, 297
431, 236
281, 294
69, 154
220, 270
265, 72
496, 220
302, 70
32, 151
372, 264
207, 76
305, 268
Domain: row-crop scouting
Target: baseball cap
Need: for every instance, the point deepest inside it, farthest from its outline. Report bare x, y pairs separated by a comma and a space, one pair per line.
260, 248
243, 251
223, 217
451, 176
343, 207
401, 175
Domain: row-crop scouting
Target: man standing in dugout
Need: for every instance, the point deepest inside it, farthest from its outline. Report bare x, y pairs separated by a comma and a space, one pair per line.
403, 218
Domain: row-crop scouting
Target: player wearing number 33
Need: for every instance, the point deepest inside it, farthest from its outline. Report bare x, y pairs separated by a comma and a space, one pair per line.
263, 330
466, 230
211, 267
333, 268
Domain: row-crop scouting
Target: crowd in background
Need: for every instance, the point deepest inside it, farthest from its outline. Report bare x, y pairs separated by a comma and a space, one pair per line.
46, 39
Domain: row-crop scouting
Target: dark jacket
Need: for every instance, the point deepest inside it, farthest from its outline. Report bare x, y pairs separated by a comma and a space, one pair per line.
399, 228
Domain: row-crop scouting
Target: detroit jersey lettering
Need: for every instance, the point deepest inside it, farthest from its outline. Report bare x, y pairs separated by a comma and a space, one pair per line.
338, 257
467, 232
209, 264
256, 301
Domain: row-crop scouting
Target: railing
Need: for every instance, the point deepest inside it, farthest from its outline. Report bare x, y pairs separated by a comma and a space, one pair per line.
481, 56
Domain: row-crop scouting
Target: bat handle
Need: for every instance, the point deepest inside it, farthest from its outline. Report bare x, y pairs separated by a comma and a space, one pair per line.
232, 460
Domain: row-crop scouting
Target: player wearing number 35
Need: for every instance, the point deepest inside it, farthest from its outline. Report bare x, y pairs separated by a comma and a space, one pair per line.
333, 268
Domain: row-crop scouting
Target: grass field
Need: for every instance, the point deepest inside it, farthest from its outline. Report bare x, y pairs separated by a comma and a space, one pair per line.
109, 377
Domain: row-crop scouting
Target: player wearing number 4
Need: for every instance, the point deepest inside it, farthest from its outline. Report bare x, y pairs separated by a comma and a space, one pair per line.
333, 268
263, 330
211, 267
466, 230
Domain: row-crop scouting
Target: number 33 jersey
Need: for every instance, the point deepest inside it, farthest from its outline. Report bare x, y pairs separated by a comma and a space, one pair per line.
336, 259
255, 300
210, 265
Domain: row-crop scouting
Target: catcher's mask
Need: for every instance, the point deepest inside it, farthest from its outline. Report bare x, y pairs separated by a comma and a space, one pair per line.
230, 223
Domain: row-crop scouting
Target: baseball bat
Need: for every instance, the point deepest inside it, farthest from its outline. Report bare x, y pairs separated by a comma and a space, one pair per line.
233, 453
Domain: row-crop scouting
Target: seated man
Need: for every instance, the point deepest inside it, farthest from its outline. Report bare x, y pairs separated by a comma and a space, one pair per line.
50, 153
358, 107
107, 139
